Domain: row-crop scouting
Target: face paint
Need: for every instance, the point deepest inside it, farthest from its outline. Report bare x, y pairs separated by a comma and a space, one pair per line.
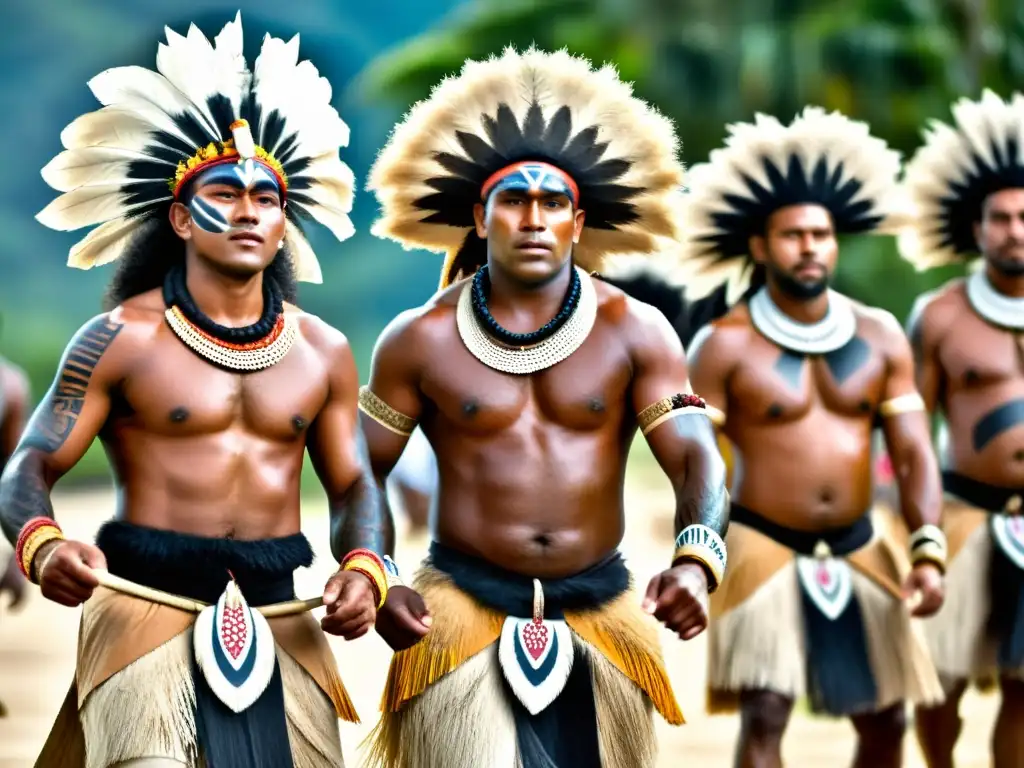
248, 176
531, 177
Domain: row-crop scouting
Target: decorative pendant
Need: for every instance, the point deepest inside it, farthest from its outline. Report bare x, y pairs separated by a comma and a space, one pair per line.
253, 356
993, 306
536, 655
1008, 532
827, 335
524, 360
826, 580
234, 650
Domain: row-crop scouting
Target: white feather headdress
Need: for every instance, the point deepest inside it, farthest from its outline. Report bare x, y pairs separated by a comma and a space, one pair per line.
821, 157
125, 162
551, 107
949, 177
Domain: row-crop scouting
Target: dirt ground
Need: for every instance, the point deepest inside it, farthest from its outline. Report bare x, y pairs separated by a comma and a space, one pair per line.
37, 650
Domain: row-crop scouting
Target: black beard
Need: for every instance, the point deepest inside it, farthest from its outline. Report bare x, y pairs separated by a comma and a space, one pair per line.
1006, 267
797, 289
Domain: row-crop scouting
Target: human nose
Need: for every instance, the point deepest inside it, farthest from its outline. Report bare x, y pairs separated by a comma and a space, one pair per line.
246, 211
532, 220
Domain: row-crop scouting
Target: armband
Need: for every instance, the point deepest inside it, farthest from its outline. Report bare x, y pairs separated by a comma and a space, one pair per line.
658, 413
384, 414
34, 534
928, 545
699, 543
908, 403
391, 574
371, 565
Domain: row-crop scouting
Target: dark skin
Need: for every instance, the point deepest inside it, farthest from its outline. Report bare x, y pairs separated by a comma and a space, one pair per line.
197, 449
14, 406
801, 428
967, 370
531, 467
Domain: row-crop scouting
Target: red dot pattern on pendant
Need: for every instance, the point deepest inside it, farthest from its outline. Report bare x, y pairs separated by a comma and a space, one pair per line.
233, 631
824, 577
535, 638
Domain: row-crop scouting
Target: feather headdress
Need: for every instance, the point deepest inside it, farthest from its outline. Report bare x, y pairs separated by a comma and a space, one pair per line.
821, 157
202, 106
546, 107
949, 177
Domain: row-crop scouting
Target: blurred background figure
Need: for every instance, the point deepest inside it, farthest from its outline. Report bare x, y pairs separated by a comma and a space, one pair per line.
411, 484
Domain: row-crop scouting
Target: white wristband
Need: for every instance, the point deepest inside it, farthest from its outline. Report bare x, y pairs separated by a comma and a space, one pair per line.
700, 543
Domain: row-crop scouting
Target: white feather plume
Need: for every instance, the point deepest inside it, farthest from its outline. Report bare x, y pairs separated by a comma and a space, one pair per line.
951, 159
86, 206
104, 244
93, 166
307, 266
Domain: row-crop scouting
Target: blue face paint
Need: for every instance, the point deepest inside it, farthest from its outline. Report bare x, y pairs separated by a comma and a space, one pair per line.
248, 176
533, 177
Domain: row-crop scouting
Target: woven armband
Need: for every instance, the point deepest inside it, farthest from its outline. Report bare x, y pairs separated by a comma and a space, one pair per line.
908, 403
701, 544
658, 413
384, 414
928, 545
371, 565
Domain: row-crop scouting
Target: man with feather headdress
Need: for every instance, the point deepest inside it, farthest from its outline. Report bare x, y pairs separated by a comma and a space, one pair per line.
206, 385
967, 186
529, 378
797, 375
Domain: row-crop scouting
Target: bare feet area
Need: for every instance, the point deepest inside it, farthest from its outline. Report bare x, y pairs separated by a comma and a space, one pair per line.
37, 654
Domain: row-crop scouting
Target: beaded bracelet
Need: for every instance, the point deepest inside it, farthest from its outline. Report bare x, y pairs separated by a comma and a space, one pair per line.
34, 534
369, 563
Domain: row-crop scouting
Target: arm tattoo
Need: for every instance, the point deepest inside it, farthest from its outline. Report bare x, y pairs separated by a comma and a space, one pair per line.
67, 397
703, 502
361, 517
24, 493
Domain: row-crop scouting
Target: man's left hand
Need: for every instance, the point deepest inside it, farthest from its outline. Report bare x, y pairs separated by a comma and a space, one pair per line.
927, 581
351, 607
678, 598
403, 620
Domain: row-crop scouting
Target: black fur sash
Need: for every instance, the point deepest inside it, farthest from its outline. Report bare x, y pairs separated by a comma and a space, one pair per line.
512, 593
565, 734
991, 498
199, 567
842, 541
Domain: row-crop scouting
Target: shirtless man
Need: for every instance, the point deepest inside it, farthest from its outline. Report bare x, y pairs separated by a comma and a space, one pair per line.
969, 340
796, 375
206, 385
538, 654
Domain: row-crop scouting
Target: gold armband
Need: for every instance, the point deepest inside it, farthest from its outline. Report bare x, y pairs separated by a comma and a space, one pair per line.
369, 564
384, 414
701, 544
928, 545
908, 403
34, 534
669, 408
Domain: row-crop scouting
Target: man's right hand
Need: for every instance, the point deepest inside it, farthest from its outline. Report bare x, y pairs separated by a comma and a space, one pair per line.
403, 620
67, 576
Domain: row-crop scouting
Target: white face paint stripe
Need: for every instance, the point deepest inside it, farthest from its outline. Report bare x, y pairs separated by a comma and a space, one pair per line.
207, 217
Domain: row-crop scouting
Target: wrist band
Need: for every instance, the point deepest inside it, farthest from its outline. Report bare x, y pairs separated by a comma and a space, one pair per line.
34, 534
928, 545
369, 564
700, 543
393, 577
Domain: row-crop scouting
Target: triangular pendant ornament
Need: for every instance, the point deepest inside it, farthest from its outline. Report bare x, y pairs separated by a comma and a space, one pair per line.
536, 655
234, 649
1008, 531
827, 581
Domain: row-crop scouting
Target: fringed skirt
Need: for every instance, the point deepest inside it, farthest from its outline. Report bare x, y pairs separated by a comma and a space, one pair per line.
138, 693
448, 701
978, 635
832, 628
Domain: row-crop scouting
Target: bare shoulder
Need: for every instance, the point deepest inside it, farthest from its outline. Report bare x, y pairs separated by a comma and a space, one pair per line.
722, 342
114, 340
318, 333
936, 311
875, 322
421, 328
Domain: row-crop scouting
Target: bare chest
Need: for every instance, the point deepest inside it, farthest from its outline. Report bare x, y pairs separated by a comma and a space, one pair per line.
172, 391
774, 385
586, 391
975, 355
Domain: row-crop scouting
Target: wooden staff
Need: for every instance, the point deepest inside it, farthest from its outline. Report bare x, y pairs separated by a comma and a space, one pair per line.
117, 584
